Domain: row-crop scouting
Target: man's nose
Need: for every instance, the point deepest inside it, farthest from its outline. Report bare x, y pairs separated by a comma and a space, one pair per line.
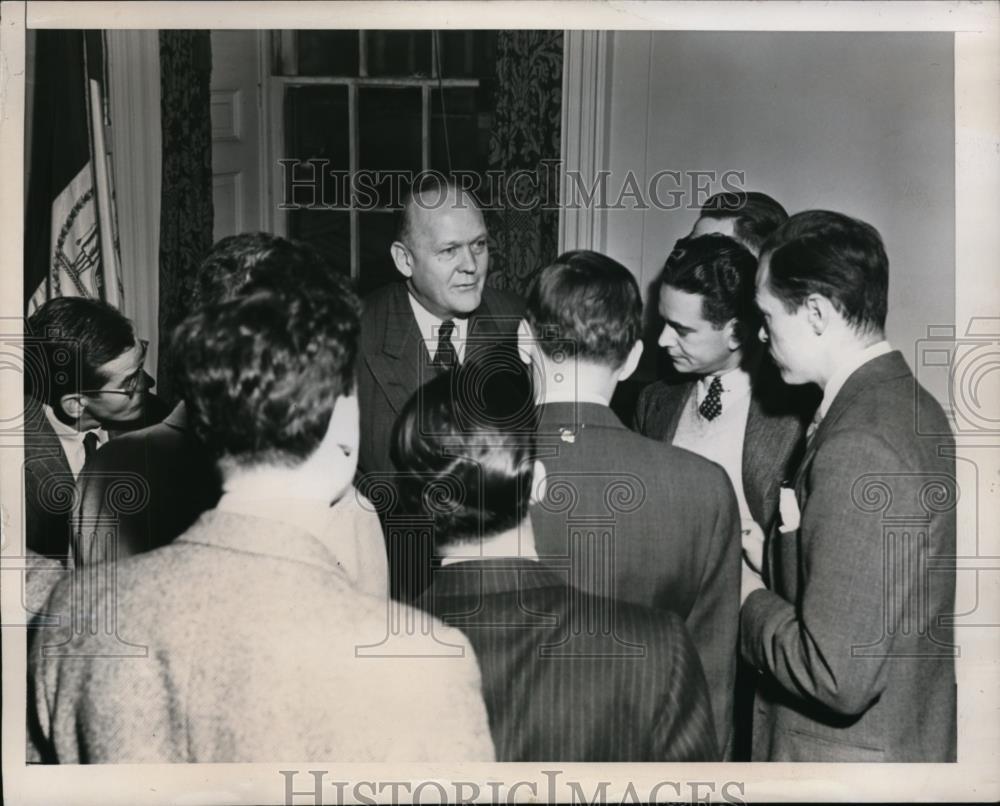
667, 336
762, 335
467, 263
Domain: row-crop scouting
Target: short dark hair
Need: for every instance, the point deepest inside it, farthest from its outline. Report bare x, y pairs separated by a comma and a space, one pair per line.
232, 261
721, 271
756, 215
71, 338
587, 304
424, 184
839, 257
262, 371
465, 448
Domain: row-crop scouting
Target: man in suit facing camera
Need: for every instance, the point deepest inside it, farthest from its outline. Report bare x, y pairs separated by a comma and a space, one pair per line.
440, 314
852, 637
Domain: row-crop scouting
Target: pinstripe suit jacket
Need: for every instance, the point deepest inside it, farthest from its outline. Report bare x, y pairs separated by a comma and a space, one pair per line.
239, 642
48, 486
555, 692
776, 422
853, 642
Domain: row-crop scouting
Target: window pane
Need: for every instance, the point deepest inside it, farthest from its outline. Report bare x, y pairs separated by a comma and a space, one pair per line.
328, 230
467, 54
399, 53
328, 53
468, 130
316, 129
377, 230
389, 127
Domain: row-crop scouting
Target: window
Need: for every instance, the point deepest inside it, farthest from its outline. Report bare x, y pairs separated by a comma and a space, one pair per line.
360, 111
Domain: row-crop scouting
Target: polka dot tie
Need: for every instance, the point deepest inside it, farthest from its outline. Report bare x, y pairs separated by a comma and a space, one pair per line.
711, 406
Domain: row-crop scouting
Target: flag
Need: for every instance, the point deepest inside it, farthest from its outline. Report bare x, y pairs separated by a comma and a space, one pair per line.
71, 234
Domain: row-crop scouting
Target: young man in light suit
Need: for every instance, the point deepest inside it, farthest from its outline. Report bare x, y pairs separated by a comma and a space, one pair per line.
852, 637
245, 633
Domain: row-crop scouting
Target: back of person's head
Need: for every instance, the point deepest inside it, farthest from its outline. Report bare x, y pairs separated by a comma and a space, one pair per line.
588, 305
755, 215
262, 372
722, 272
833, 255
71, 339
464, 445
234, 260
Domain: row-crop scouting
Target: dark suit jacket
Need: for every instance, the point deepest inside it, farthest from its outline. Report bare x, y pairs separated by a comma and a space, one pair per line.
853, 642
638, 520
48, 486
394, 363
553, 693
776, 422
142, 490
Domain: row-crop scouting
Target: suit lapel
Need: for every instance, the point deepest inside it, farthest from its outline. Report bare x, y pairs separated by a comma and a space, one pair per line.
402, 363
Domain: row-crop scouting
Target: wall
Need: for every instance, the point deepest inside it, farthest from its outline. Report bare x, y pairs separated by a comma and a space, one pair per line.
861, 123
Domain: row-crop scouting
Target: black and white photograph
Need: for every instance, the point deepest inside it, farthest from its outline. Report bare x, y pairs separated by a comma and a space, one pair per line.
499, 402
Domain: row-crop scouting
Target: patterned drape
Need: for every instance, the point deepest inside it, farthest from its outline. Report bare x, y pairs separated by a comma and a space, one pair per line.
186, 210
526, 132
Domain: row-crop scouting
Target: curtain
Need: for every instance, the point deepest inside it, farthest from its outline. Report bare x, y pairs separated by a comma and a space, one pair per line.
186, 210
526, 135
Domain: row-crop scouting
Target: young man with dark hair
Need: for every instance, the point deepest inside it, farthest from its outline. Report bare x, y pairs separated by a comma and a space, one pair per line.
250, 627
173, 474
84, 377
553, 693
730, 405
852, 637
748, 217
441, 314
673, 542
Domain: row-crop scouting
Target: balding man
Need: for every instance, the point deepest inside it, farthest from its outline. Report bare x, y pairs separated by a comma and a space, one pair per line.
441, 314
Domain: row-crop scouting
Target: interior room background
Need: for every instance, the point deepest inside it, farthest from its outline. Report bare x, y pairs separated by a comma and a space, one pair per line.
856, 122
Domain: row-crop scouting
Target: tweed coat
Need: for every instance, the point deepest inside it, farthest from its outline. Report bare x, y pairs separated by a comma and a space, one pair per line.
557, 691
48, 486
776, 423
635, 519
853, 642
241, 641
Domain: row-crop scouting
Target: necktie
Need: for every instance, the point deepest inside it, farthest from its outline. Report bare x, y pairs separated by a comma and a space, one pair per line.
811, 430
711, 406
89, 446
446, 355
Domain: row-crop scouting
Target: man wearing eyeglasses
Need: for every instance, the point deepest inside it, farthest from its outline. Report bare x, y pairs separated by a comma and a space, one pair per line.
84, 376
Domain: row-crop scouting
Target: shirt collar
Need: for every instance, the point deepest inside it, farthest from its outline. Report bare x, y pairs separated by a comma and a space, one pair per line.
735, 382
567, 396
428, 324
845, 370
71, 439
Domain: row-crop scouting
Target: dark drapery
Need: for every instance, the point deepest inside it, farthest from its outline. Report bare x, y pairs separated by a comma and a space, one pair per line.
526, 134
186, 210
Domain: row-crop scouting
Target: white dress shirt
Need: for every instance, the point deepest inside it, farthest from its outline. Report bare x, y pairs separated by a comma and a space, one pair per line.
428, 324
721, 439
71, 440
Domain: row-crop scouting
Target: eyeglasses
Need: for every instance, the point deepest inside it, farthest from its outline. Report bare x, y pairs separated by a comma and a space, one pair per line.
136, 384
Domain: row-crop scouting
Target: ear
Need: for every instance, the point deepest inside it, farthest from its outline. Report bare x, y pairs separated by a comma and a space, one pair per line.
540, 482
819, 312
74, 405
525, 340
632, 362
402, 258
733, 339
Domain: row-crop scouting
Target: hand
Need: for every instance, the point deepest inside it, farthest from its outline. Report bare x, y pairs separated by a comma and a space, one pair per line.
753, 544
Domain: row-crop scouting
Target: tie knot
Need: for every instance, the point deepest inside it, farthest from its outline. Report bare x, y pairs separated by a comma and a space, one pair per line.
711, 406
446, 329
445, 355
89, 444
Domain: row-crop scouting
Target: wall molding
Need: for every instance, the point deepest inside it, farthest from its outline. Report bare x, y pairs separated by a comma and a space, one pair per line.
136, 159
584, 143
